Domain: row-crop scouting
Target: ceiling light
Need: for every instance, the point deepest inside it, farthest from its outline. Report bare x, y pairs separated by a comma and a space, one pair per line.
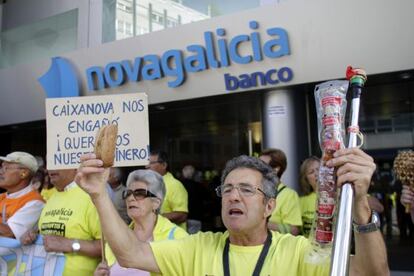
406, 76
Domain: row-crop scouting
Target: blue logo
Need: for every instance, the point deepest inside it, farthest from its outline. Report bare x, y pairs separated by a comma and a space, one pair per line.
217, 51
60, 80
273, 76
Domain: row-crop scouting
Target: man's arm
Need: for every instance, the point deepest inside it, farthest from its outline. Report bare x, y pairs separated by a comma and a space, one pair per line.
407, 199
5, 231
176, 217
370, 253
129, 251
287, 217
62, 244
25, 218
356, 167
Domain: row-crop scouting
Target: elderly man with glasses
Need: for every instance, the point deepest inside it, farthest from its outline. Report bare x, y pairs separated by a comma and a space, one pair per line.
247, 247
21, 205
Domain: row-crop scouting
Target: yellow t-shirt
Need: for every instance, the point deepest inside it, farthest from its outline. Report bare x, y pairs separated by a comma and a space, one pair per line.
47, 193
201, 254
163, 230
307, 206
287, 209
176, 197
71, 214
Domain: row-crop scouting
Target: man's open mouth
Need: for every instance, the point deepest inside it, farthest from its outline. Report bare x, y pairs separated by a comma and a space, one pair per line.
235, 212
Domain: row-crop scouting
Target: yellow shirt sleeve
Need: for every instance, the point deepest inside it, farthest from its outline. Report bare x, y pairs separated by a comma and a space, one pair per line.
287, 209
176, 197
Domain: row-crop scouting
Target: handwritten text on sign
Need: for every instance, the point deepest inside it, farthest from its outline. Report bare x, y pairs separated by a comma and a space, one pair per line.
72, 125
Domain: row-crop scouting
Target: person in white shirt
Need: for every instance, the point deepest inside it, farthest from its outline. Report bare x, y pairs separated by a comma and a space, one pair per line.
21, 204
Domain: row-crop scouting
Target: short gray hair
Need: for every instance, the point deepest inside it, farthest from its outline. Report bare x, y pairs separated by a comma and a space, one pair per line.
269, 177
154, 181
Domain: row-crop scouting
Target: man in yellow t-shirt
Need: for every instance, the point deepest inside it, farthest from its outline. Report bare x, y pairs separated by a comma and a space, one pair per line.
175, 206
243, 259
248, 199
286, 218
69, 223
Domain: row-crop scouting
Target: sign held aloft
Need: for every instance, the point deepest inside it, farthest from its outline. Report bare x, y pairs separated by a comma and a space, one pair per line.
72, 125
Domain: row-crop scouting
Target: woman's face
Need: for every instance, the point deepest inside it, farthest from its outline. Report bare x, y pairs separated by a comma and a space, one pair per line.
139, 206
312, 173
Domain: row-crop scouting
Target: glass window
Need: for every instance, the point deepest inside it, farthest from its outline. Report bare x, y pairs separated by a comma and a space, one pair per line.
120, 26
128, 28
154, 15
206, 132
48, 37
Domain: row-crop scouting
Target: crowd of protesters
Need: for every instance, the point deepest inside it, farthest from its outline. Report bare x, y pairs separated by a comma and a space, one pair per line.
75, 217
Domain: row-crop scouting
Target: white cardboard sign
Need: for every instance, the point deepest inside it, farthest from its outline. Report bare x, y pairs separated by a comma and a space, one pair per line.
72, 125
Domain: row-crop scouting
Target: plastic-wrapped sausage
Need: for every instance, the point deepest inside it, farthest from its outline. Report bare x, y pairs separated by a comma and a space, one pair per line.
330, 100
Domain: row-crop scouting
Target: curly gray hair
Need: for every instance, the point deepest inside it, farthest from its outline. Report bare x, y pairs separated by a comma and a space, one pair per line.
269, 177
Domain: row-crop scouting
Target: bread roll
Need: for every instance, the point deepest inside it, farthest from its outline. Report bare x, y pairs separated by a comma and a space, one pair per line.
105, 144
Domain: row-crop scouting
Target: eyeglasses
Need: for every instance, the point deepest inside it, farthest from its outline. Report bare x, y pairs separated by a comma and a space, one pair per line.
138, 194
244, 189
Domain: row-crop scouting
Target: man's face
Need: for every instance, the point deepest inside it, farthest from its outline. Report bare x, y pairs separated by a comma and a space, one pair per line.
244, 213
312, 173
61, 178
156, 166
11, 175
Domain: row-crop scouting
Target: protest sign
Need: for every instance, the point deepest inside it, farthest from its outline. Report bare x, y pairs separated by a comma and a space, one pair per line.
72, 125
30, 260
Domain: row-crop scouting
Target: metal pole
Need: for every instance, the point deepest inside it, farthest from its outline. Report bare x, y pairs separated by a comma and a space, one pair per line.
250, 141
342, 239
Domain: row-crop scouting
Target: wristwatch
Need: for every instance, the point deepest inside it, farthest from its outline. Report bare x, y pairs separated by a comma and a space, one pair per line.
75, 246
372, 226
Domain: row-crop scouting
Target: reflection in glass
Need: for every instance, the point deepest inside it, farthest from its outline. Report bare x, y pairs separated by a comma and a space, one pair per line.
48, 37
121, 20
